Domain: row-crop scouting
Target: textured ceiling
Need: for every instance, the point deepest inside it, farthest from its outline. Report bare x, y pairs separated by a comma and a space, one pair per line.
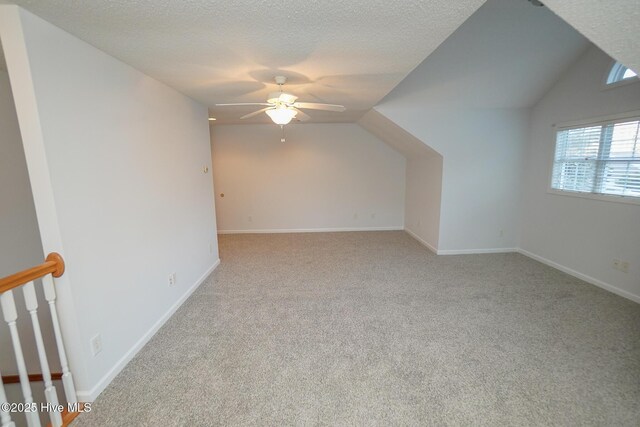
611, 25
344, 52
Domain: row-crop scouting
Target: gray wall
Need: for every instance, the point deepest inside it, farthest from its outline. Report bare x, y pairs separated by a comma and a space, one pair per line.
19, 236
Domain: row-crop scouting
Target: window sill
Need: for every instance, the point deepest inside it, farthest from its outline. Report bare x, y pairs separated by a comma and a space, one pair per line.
620, 83
601, 197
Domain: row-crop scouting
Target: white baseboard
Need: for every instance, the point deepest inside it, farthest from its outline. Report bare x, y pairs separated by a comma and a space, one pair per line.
570, 271
458, 251
309, 230
581, 276
476, 251
422, 241
91, 395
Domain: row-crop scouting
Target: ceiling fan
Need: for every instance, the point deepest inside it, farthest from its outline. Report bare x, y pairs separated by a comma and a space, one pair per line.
282, 107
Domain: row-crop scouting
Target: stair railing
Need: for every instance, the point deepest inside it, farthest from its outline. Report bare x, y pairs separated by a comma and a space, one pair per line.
52, 268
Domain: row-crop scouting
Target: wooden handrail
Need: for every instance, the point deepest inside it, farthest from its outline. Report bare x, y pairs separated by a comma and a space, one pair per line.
53, 264
15, 379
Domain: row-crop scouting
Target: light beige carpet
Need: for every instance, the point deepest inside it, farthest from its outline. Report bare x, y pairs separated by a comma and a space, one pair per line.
372, 329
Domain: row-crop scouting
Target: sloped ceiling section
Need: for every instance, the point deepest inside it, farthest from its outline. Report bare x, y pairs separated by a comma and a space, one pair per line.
611, 25
507, 55
345, 52
395, 136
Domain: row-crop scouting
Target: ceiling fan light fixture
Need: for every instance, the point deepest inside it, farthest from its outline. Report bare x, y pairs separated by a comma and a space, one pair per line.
281, 115
282, 107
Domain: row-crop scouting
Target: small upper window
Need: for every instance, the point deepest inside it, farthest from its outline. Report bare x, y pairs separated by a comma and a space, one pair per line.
620, 73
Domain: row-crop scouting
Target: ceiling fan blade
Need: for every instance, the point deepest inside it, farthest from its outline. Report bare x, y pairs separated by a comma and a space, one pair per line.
317, 106
240, 104
255, 113
300, 115
287, 98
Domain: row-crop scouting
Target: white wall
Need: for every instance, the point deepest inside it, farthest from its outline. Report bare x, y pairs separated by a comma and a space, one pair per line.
469, 101
423, 178
483, 155
116, 165
423, 199
482, 177
584, 235
325, 176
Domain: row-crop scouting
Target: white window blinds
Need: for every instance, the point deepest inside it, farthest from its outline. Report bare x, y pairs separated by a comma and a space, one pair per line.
602, 158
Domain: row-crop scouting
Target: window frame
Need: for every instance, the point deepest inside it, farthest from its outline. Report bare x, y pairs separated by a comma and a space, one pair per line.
585, 123
623, 82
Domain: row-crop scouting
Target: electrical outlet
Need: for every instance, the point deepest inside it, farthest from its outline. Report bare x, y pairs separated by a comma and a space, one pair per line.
250, 218
616, 264
373, 216
501, 233
355, 216
172, 279
96, 345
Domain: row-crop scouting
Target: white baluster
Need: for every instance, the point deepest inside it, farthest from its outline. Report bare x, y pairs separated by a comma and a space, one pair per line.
67, 378
10, 316
5, 418
49, 389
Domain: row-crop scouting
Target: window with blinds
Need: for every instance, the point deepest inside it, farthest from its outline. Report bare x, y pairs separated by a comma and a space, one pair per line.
602, 158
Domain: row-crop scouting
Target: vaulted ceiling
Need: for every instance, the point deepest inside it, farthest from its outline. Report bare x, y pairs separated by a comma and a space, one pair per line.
610, 25
345, 52
506, 55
